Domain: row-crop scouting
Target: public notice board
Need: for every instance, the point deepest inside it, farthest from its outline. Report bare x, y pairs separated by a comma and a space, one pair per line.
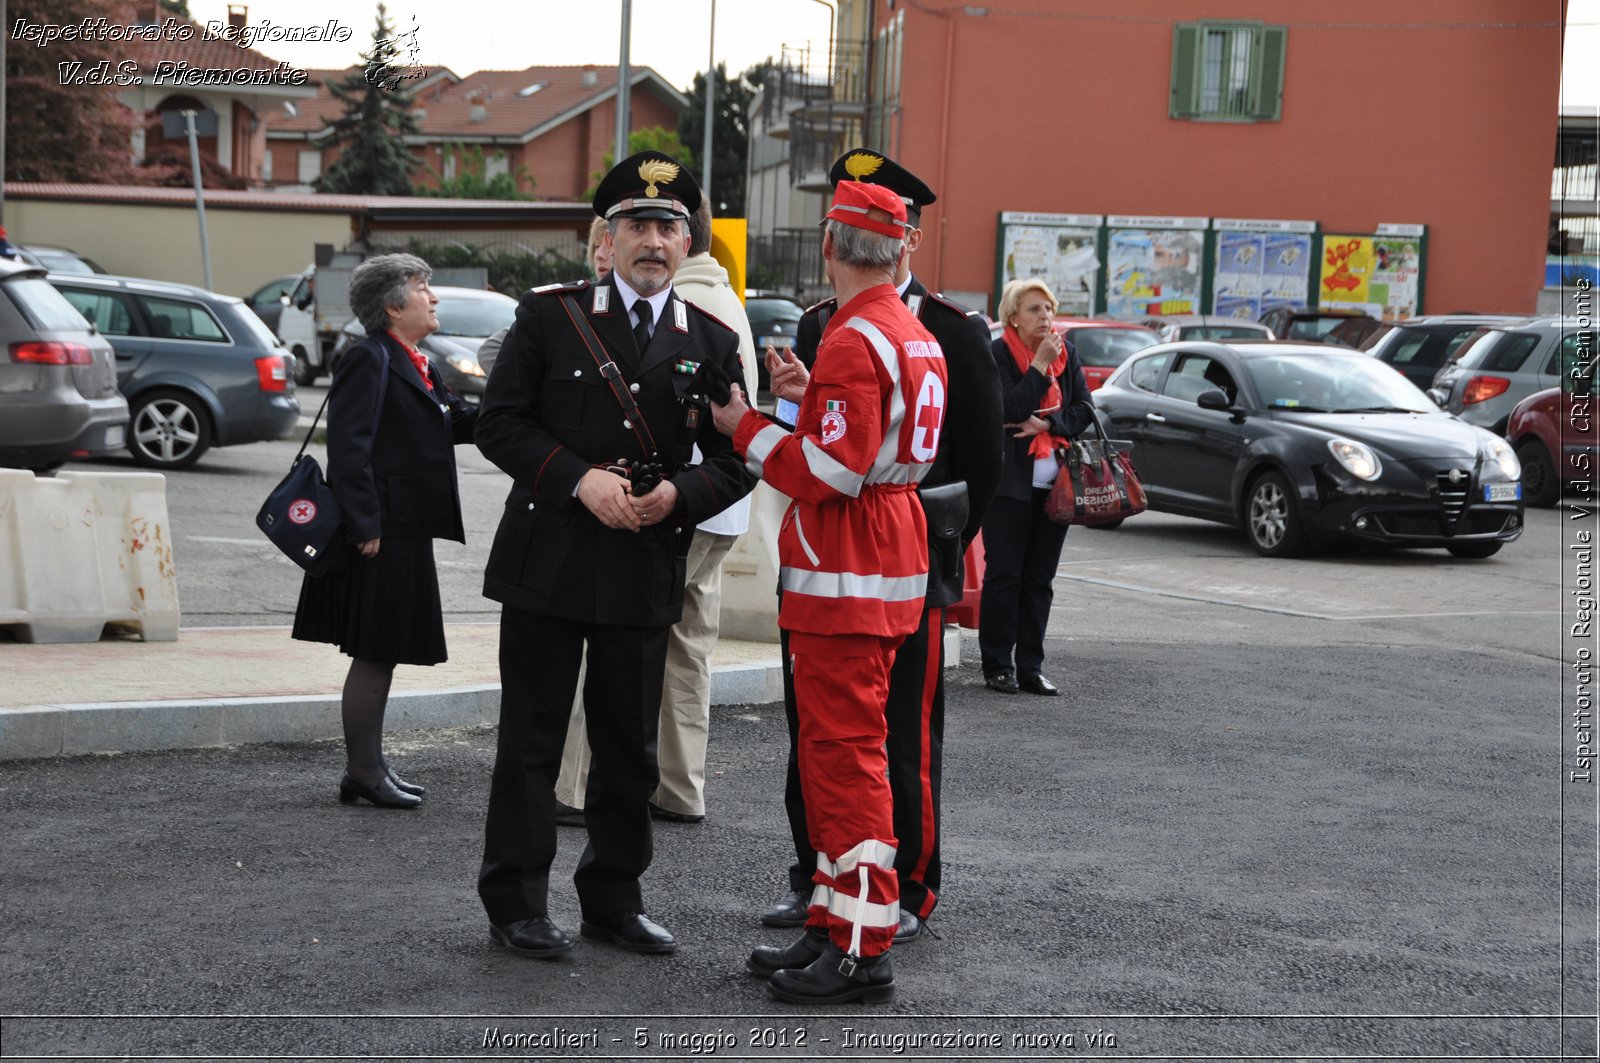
1060, 249
1154, 265
1259, 265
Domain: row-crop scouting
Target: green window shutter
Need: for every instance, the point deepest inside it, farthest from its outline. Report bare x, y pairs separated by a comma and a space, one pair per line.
1185, 70
1266, 77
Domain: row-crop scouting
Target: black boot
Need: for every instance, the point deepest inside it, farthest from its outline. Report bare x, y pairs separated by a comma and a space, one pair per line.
835, 978
766, 961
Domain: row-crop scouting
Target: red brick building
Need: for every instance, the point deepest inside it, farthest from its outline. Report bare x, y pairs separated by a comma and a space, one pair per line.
1420, 112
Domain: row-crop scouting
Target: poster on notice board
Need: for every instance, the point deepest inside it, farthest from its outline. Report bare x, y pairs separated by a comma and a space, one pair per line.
1154, 266
1060, 249
1260, 265
1378, 274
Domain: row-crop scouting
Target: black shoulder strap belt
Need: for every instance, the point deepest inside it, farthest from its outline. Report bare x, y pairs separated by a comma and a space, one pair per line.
612, 376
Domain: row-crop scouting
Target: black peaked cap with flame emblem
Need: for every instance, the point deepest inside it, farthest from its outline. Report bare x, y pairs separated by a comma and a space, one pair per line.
875, 168
647, 185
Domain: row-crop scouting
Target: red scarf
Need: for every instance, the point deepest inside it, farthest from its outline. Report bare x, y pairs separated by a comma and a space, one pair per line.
1041, 445
418, 359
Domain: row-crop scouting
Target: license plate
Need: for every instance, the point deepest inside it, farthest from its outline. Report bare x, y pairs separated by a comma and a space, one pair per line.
1502, 492
115, 437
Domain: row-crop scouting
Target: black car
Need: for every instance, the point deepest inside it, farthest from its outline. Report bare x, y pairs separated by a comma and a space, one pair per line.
1417, 347
775, 320
1301, 444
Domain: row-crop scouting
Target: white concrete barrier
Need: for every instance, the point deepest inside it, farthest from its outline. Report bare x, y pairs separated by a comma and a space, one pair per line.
82, 550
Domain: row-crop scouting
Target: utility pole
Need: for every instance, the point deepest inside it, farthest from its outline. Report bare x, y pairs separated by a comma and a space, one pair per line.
199, 198
624, 91
711, 95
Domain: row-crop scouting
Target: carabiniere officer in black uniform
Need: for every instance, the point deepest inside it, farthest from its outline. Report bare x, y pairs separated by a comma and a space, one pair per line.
589, 554
969, 452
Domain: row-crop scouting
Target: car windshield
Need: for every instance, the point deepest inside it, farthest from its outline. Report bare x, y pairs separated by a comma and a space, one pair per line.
1320, 384
64, 261
1312, 328
1108, 347
480, 317
1222, 332
43, 306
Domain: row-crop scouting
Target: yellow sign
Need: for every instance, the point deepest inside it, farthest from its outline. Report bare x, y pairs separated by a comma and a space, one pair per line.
1346, 271
728, 248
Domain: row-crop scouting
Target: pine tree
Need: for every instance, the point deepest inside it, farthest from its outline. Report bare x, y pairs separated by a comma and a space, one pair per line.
377, 115
730, 138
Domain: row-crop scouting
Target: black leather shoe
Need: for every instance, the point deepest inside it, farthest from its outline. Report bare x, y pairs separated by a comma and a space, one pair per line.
568, 816
910, 928
383, 793
657, 812
834, 978
1038, 684
766, 961
539, 938
792, 911
401, 785
1003, 682
631, 931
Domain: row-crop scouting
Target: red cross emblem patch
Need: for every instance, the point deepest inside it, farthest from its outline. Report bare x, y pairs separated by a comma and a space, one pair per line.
302, 511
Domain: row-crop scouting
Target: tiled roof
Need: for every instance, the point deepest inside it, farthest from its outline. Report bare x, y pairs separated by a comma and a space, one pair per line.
200, 51
490, 103
216, 197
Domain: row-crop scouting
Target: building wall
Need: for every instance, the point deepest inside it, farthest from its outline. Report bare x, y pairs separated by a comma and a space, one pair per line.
248, 247
1062, 106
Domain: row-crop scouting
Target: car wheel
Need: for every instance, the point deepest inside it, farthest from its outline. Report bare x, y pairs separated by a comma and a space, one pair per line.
1272, 518
305, 374
168, 429
1475, 549
1541, 486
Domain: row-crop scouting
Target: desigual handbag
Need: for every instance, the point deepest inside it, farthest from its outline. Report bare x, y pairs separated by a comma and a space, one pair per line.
1097, 483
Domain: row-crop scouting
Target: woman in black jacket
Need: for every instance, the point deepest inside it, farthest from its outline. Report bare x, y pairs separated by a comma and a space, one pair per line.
1046, 403
392, 430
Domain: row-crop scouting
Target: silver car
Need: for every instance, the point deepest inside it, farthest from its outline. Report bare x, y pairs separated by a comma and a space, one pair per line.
1499, 366
1174, 327
58, 378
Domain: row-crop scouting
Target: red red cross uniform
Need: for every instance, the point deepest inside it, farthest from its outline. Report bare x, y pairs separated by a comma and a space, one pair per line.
852, 552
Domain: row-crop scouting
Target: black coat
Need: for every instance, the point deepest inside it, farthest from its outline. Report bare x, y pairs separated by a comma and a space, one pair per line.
1021, 394
549, 417
970, 441
400, 483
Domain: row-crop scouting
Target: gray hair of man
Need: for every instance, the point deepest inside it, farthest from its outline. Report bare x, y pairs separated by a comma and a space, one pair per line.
863, 248
700, 228
383, 283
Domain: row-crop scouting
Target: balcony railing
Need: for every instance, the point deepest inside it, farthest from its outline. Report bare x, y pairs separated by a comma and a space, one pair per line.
790, 261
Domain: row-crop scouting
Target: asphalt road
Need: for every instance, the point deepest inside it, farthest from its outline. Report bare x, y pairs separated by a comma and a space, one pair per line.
1298, 809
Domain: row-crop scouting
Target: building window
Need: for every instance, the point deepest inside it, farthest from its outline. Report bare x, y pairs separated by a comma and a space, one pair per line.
495, 165
310, 166
1228, 71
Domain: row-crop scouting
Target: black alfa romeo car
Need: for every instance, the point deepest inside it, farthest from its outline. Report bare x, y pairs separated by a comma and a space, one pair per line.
1301, 444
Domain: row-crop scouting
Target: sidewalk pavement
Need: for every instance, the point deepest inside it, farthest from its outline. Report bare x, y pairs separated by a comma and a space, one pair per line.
220, 686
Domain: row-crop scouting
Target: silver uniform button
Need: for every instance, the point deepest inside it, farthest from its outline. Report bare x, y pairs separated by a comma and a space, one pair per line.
634, 388
627, 423
577, 372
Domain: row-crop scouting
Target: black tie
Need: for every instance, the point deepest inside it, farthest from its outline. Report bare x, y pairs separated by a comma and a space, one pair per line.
641, 331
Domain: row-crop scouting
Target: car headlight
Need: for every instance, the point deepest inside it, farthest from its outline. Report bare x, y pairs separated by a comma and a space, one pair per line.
465, 366
1499, 451
1357, 458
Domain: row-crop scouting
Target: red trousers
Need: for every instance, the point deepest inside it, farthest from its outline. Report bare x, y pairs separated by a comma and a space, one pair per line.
841, 685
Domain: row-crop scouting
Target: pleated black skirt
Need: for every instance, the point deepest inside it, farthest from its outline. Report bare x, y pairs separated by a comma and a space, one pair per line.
384, 608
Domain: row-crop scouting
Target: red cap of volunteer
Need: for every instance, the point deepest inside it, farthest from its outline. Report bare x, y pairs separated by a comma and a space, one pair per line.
870, 207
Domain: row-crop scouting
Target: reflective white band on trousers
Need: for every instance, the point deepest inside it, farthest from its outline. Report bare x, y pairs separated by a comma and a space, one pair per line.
853, 585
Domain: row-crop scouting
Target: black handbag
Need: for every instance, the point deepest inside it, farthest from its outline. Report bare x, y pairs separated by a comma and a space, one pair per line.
302, 516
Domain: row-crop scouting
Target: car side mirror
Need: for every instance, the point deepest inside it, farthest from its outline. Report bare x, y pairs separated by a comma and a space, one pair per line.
283, 298
1213, 399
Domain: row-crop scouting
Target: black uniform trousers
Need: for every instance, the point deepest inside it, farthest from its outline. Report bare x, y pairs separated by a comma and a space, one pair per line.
1021, 550
915, 715
539, 659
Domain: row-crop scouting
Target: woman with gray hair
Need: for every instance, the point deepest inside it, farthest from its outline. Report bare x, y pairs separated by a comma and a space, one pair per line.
392, 426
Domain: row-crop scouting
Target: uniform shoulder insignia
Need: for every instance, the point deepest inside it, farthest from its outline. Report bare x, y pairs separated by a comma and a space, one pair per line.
559, 286
829, 301
703, 312
964, 311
